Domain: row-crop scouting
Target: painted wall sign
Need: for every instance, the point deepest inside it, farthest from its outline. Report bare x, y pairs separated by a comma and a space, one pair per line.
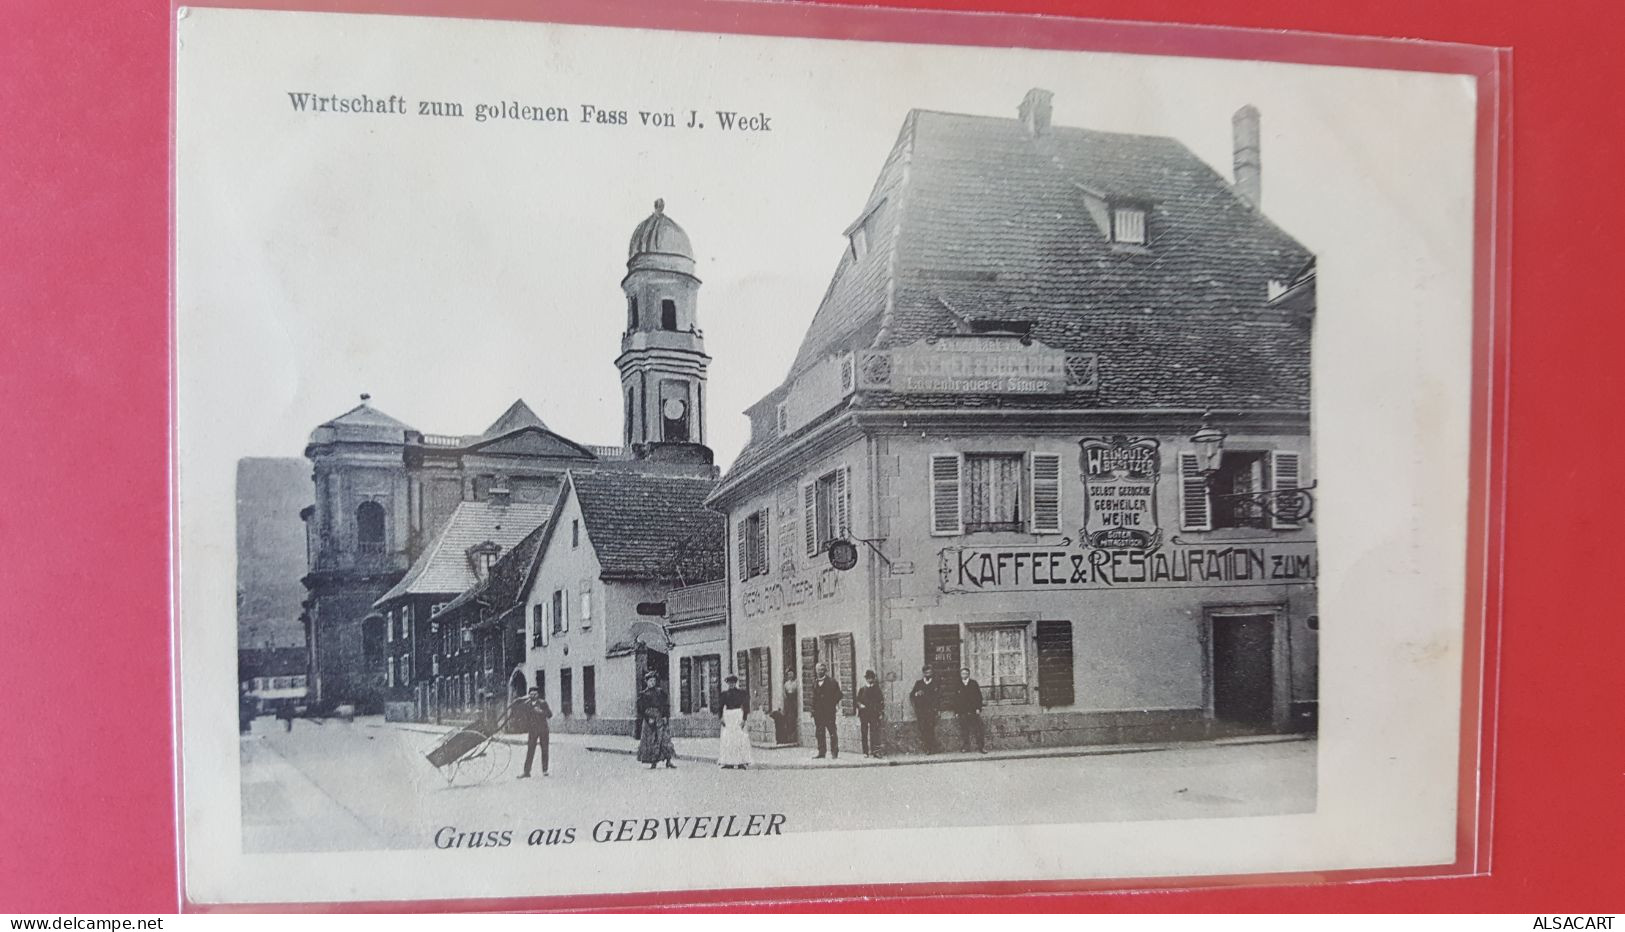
1120, 493
793, 592
1035, 569
977, 365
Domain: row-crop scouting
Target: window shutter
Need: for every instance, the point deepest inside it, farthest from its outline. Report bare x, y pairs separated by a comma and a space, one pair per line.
843, 501
809, 517
685, 686
762, 537
743, 671
547, 621
809, 660
742, 549
713, 686
1195, 508
1046, 493
945, 507
849, 674
1284, 475
564, 610
1055, 677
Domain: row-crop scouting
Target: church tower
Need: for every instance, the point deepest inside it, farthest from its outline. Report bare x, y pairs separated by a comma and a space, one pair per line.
663, 358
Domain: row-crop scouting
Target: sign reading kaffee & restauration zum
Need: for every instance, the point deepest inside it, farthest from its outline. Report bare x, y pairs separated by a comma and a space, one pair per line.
1027, 569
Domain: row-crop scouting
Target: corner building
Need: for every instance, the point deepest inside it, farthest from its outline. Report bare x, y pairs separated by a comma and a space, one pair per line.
1057, 402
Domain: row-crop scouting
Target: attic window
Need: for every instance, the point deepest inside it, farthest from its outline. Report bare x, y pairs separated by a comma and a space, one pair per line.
860, 240
1128, 224
781, 418
993, 325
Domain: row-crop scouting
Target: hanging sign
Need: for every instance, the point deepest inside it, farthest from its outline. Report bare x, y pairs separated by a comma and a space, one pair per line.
1120, 493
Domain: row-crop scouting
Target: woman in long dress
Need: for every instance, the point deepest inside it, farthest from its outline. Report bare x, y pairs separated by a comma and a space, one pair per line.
734, 748
654, 711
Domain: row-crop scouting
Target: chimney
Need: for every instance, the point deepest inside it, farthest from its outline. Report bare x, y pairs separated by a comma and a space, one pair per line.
1035, 111
1249, 170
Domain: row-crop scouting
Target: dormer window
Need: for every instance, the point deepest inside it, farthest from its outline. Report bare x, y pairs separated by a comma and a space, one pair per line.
1128, 224
481, 557
860, 241
781, 418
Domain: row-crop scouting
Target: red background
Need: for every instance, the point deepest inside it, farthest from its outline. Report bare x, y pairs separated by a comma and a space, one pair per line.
87, 812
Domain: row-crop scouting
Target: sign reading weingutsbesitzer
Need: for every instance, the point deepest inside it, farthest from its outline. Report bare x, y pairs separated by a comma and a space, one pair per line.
1120, 492
999, 365
1034, 569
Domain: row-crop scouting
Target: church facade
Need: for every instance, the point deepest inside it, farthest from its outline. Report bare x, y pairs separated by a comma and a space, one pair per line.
404, 522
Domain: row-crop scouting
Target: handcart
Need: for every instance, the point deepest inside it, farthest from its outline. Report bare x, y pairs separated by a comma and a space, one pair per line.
475, 753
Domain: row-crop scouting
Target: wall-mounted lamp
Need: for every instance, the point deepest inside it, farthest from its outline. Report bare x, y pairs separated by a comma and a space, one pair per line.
1209, 443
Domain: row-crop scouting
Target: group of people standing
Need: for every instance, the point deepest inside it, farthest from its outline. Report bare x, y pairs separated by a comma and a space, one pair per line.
929, 697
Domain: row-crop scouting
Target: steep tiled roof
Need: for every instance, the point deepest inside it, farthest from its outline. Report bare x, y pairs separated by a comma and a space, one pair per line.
651, 526
974, 218
518, 416
445, 566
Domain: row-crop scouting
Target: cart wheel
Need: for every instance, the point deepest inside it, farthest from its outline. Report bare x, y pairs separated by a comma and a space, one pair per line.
483, 763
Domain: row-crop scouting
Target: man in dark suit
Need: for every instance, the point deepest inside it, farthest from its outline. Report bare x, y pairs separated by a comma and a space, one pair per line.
826, 698
968, 708
926, 702
532, 714
871, 705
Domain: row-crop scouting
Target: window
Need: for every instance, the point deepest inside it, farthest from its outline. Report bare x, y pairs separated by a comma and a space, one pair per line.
589, 690
369, 528
538, 626
389, 628
575, 533
860, 241
781, 418
1230, 497
586, 607
827, 510
699, 683
389, 673
561, 612
1128, 225
629, 421
631, 312
668, 314
998, 661
753, 545
992, 492
406, 671
541, 682
838, 655
566, 692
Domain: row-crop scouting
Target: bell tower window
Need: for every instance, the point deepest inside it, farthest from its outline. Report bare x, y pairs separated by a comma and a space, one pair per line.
668, 314
631, 312
369, 524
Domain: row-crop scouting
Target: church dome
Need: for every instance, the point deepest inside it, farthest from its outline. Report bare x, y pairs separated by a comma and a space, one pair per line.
659, 241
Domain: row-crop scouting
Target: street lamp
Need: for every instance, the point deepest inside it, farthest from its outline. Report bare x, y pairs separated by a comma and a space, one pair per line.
1209, 442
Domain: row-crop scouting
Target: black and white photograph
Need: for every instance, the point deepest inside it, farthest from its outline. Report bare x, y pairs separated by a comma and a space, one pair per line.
615, 460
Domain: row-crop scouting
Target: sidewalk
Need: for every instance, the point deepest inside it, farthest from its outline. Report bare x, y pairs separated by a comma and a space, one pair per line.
793, 757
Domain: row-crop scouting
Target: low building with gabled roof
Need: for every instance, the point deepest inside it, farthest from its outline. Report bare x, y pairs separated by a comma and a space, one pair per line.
401, 627
617, 544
